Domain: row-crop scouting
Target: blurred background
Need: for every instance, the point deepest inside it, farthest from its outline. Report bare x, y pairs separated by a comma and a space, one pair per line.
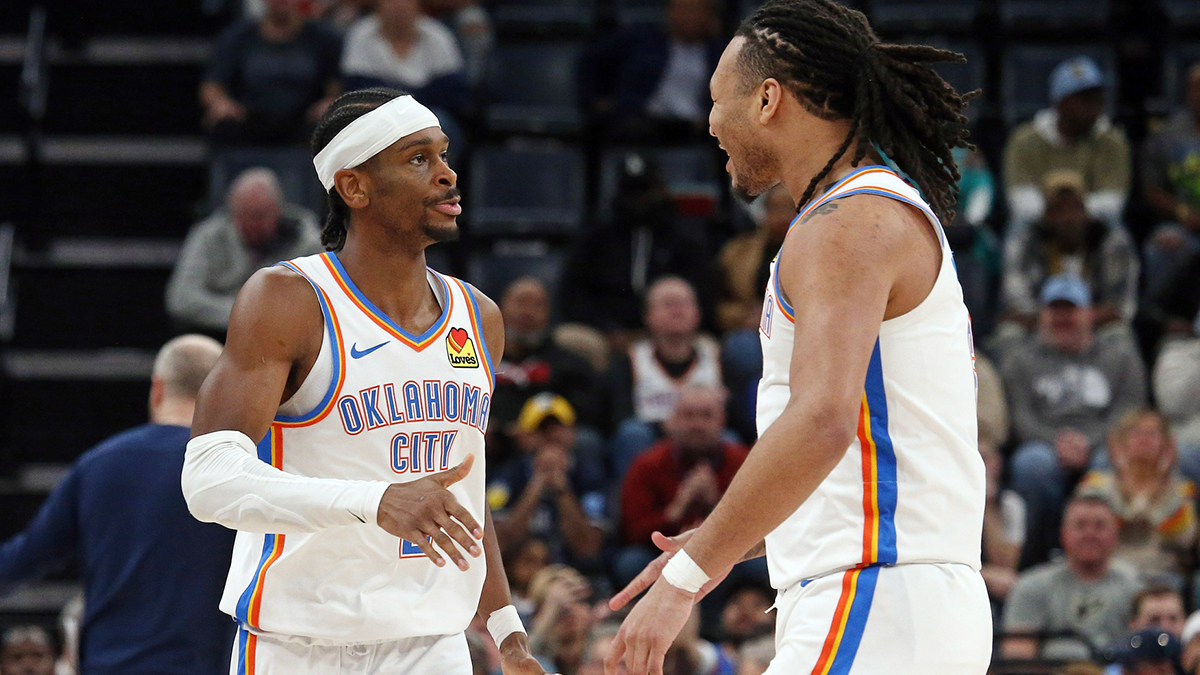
154, 155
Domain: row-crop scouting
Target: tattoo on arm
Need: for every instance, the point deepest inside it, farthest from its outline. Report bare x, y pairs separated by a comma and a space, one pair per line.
827, 207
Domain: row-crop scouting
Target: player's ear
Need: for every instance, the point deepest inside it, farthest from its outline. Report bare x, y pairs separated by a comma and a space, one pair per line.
351, 186
769, 100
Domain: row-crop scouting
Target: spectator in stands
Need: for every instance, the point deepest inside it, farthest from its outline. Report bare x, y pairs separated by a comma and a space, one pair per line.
26, 650
675, 483
612, 264
1074, 134
1082, 594
1154, 502
399, 47
559, 631
1177, 391
746, 615
1068, 240
691, 655
534, 363
1066, 389
651, 82
1156, 607
1171, 186
1004, 519
646, 382
522, 562
472, 27
992, 407
598, 645
745, 264
755, 656
152, 574
1191, 644
1173, 310
255, 229
977, 255
269, 80
547, 492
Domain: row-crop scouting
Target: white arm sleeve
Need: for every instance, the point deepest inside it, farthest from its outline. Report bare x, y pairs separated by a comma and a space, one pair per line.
225, 482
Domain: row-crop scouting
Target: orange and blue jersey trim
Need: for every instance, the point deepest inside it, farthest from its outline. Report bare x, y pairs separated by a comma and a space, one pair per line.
878, 469
249, 604
246, 651
416, 342
849, 622
477, 328
338, 347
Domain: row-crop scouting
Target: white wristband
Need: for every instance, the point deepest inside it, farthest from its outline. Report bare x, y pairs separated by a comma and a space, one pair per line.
504, 622
683, 573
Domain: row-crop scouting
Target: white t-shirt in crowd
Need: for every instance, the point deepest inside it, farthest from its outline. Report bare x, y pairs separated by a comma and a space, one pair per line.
368, 53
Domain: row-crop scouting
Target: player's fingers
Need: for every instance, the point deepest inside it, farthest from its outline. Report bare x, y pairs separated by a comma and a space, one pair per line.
613, 661
637, 657
447, 546
428, 549
463, 516
459, 535
645, 579
454, 474
655, 657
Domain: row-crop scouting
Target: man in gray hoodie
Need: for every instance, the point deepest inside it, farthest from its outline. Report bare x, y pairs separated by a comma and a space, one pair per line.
1065, 389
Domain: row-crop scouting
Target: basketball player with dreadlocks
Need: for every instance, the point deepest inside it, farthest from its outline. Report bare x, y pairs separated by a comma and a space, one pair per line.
866, 482
368, 378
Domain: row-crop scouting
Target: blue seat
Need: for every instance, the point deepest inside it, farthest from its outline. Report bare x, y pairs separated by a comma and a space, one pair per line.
542, 15
1176, 62
1055, 14
530, 191
1182, 13
493, 271
532, 88
692, 173
923, 15
1026, 77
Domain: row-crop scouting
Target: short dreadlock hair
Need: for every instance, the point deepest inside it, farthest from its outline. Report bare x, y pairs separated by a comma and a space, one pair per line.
827, 55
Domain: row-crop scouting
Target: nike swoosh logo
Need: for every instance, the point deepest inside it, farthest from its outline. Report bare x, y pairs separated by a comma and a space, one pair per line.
356, 354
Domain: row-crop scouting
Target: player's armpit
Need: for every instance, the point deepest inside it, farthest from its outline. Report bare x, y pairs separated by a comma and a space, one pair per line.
274, 335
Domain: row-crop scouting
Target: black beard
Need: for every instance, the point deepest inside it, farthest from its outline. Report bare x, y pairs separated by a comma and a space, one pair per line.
439, 234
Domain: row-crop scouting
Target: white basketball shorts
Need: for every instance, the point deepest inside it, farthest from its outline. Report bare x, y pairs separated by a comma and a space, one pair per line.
270, 654
916, 619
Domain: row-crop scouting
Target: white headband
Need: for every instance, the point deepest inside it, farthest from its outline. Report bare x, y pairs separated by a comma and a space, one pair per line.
366, 136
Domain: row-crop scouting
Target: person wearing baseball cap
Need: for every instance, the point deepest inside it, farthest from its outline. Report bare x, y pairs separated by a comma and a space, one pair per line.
1067, 386
1072, 133
549, 492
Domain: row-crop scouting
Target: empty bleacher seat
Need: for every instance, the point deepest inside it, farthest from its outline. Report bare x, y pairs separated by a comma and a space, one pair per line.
124, 98
639, 12
1054, 14
533, 190
1182, 13
693, 175
532, 88
921, 15
544, 15
1027, 71
492, 271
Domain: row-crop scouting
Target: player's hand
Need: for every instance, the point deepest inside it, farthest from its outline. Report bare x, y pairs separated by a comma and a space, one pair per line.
515, 658
649, 630
647, 577
424, 509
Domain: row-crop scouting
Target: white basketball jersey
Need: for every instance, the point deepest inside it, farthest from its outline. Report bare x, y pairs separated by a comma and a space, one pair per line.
385, 405
655, 390
910, 488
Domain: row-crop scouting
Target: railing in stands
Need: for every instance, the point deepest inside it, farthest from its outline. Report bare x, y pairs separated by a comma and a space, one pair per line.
32, 95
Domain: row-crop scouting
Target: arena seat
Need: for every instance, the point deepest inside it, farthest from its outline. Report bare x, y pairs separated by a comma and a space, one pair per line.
532, 88
535, 190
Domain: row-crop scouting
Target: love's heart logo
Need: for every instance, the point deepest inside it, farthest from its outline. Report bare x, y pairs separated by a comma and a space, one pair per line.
458, 338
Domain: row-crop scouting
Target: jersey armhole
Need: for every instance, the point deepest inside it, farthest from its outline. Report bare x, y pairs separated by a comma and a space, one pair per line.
333, 334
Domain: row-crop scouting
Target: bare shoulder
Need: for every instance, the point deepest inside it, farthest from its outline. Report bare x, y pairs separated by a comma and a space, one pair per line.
277, 312
493, 323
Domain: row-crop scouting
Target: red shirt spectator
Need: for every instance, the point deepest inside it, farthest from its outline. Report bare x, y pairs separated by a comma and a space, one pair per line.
676, 482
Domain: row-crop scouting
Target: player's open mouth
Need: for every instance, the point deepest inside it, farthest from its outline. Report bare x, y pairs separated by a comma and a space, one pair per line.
450, 207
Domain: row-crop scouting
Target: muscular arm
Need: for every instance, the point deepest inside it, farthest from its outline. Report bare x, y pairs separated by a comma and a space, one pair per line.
846, 271
267, 354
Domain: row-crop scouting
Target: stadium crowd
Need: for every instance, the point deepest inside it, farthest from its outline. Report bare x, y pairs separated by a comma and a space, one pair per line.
624, 403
